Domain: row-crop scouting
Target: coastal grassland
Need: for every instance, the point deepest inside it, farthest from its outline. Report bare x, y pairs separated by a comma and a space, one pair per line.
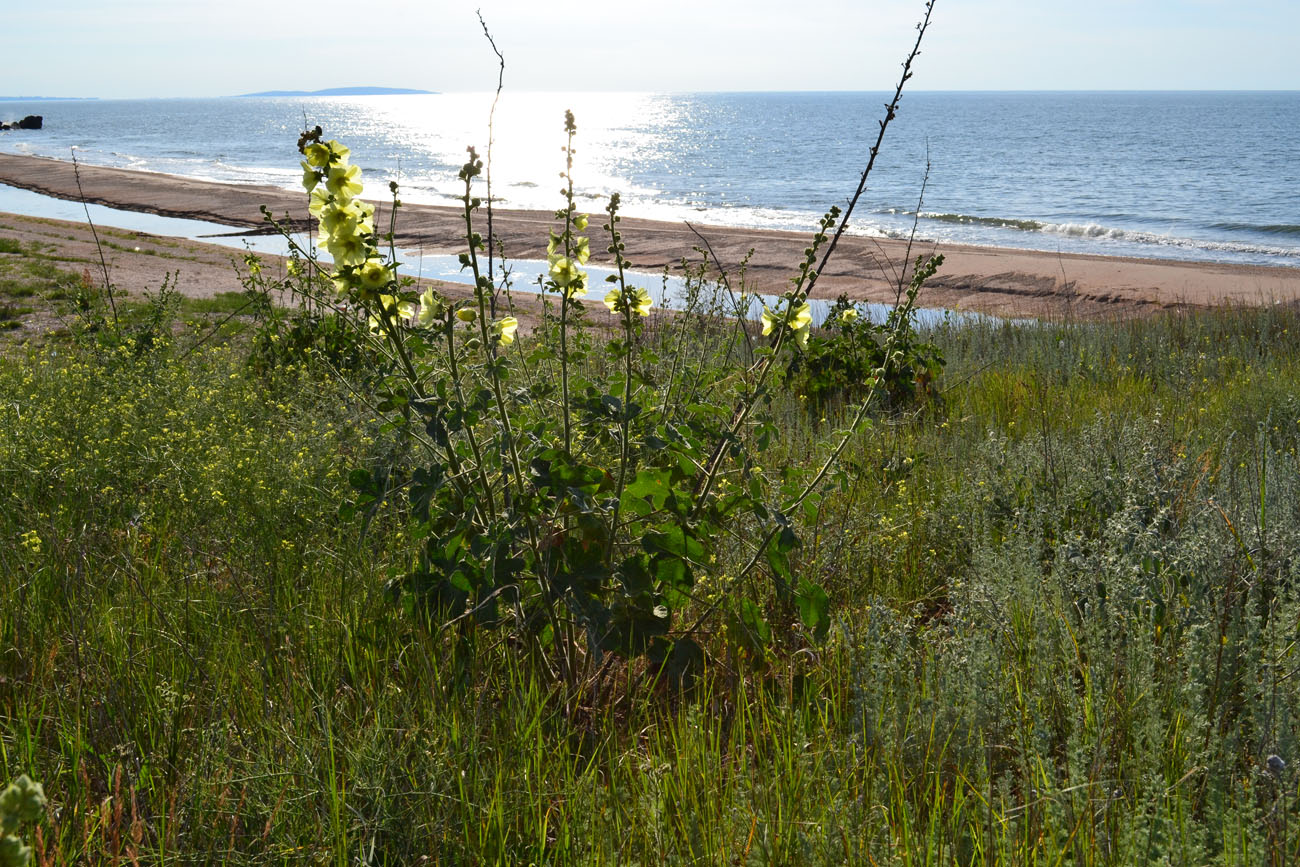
48, 289
1065, 598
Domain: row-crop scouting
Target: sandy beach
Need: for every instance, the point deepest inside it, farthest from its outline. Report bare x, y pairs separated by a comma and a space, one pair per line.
998, 281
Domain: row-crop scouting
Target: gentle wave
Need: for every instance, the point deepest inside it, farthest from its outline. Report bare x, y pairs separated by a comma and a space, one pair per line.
1097, 231
1284, 229
1094, 231
992, 222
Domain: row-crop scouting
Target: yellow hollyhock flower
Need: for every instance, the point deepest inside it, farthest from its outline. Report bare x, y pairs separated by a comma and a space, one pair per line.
505, 328
337, 221
320, 199
642, 302
467, 314
580, 222
802, 319
363, 213
432, 307
321, 154
318, 154
338, 152
800, 322
566, 274
347, 249
582, 250
849, 314
396, 307
374, 275
309, 177
342, 181
342, 284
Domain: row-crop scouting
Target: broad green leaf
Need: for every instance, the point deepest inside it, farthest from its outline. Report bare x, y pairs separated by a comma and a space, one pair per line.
814, 608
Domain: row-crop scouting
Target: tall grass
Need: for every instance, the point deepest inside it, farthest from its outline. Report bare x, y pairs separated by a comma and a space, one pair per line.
1065, 601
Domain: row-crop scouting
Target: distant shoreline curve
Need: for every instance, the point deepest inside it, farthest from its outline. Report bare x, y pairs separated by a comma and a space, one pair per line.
998, 281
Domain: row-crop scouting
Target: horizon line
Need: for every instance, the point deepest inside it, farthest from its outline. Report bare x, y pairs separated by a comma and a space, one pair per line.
935, 90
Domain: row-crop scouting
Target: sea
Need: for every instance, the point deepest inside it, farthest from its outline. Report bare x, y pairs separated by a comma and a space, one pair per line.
1199, 176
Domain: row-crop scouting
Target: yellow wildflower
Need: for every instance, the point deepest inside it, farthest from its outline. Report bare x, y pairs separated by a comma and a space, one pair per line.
566, 274
642, 302
320, 197
505, 328
639, 299
432, 307
347, 249
321, 154
32, 542
342, 181
397, 307
309, 177
375, 275
800, 322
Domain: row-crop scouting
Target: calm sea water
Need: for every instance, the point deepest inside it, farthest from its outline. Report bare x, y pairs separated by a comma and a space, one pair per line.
1202, 176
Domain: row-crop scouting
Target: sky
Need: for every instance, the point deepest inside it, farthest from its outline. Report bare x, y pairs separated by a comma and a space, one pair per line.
172, 48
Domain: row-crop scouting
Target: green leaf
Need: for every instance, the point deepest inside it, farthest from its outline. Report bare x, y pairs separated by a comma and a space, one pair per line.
634, 573
650, 485
814, 608
675, 541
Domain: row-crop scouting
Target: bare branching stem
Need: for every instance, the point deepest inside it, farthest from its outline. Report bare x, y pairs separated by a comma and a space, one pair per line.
891, 112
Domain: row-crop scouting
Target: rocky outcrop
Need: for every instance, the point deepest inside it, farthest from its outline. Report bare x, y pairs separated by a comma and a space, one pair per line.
32, 121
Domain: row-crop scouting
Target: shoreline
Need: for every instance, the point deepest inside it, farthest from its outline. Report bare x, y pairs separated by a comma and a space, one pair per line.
1003, 282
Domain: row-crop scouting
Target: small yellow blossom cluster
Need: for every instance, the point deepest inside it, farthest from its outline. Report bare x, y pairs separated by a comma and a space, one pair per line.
31, 542
347, 229
798, 319
566, 267
92, 434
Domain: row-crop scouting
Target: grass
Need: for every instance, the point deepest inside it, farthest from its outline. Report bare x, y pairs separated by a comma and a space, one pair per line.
36, 279
1066, 606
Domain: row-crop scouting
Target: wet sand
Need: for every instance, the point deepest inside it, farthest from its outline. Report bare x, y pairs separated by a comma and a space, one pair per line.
998, 281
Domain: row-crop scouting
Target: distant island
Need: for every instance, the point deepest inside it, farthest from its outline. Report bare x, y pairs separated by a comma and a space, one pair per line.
345, 91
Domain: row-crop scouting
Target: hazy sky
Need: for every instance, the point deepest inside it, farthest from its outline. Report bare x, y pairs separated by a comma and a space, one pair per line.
129, 48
